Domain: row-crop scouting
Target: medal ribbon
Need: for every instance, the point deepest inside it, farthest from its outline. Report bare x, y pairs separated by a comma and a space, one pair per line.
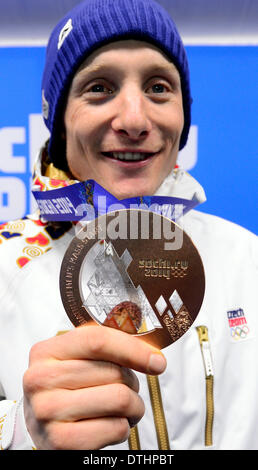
88, 200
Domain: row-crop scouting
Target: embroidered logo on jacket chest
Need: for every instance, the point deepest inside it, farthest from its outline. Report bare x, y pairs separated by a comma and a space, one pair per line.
239, 328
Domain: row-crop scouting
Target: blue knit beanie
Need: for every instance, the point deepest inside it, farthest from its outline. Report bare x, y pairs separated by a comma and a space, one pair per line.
90, 25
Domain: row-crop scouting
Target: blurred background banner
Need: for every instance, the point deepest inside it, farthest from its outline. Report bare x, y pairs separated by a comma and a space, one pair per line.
222, 150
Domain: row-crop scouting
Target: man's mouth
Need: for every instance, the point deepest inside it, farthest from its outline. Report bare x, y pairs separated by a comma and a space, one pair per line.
129, 156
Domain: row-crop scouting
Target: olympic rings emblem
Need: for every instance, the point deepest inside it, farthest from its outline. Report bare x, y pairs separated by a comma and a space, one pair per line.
239, 332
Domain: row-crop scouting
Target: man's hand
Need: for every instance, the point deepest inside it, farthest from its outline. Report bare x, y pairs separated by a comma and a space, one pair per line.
80, 391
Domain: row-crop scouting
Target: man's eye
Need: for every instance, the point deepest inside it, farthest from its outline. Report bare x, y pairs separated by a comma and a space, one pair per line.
158, 88
98, 88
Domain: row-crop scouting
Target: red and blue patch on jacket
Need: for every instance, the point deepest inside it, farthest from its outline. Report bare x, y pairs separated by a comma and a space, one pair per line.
237, 322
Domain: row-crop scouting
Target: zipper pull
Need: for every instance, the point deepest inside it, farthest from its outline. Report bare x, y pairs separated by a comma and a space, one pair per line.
202, 333
205, 348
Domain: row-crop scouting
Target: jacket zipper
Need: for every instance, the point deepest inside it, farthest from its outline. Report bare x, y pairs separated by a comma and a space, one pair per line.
133, 440
158, 412
159, 418
209, 378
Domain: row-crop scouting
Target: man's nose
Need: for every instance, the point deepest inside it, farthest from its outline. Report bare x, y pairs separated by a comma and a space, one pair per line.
131, 118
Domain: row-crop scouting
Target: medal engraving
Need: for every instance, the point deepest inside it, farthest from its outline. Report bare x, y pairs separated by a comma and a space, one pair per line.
136, 271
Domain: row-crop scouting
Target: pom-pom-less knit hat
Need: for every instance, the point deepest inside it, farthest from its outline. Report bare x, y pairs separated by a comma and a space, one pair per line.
90, 25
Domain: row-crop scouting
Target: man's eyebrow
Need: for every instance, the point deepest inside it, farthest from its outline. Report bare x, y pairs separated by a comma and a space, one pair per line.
88, 71
153, 68
162, 68
94, 68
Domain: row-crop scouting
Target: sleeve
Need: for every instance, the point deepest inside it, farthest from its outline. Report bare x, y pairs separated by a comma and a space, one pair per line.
13, 431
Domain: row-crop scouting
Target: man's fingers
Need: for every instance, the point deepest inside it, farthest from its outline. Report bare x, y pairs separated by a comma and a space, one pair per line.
77, 373
94, 402
86, 434
102, 343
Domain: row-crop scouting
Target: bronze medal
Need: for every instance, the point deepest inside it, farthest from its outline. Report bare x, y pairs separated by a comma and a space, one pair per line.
136, 271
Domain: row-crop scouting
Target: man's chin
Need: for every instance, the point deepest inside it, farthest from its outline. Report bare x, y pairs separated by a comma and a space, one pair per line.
131, 192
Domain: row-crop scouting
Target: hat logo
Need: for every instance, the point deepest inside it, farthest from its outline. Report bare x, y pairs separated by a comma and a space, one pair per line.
64, 33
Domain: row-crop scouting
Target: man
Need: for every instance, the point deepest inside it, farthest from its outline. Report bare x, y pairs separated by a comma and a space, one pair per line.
116, 99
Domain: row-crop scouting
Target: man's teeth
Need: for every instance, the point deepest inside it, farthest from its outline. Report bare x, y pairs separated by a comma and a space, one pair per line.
130, 156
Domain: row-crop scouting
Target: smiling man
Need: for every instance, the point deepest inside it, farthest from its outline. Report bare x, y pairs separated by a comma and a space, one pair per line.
124, 118
116, 100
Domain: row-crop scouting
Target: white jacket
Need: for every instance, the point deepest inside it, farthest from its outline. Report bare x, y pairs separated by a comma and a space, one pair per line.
31, 310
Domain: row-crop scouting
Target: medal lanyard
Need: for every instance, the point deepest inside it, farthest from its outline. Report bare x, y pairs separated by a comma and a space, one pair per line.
88, 200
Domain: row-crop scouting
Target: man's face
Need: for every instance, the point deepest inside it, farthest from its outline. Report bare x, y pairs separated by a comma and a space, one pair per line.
124, 118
